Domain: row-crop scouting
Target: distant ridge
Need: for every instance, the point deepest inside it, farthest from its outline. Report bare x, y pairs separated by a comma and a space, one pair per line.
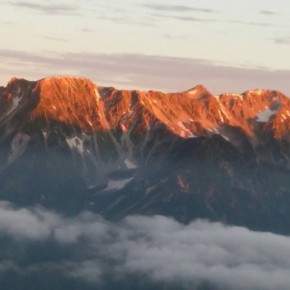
192, 113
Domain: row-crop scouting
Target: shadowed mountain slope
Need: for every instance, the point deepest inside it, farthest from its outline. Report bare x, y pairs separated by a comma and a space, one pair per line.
70, 145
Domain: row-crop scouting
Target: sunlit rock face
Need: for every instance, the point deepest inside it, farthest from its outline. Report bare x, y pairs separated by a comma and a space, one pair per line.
72, 101
68, 143
80, 103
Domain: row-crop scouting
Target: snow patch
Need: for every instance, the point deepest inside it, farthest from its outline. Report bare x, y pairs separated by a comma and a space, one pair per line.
259, 92
129, 164
238, 96
283, 117
185, 132
220, 115
117, 184
217, 131
45, 134
192, 92
18, 146
225, 137
127, 115
76, 143
15, 104
265, 115
180, 124
195, 93
97, 93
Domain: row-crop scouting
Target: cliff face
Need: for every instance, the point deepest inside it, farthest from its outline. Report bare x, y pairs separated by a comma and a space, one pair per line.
67, 143
194, 113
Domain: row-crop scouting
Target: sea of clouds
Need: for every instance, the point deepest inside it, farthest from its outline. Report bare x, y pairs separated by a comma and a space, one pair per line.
157, 248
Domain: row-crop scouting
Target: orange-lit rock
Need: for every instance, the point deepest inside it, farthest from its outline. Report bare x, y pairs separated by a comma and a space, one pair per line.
192, 113
74, 101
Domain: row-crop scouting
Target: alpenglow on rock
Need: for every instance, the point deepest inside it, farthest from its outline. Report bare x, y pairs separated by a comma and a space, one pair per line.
69, 144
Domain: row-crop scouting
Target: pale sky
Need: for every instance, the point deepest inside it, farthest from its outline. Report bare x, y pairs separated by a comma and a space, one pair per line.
227, 45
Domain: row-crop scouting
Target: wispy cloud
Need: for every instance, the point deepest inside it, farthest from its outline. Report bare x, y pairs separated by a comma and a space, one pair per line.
143, 71
157, 248
88, 30
177, 8
178, 12
172, 36
47, 8
282, 40
258, 24
128, 20
183, 18
6, 22
268, 12
55, 38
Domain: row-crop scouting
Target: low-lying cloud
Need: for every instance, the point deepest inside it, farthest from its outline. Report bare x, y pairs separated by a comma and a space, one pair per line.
157, 248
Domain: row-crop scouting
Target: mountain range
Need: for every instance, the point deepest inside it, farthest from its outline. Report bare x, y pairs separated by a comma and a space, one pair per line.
70, 145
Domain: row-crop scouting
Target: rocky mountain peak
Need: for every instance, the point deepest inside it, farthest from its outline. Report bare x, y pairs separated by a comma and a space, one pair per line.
69, 144
193, 113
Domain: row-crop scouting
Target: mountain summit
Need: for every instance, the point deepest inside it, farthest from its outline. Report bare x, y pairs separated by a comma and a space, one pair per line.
69, 144
196, 112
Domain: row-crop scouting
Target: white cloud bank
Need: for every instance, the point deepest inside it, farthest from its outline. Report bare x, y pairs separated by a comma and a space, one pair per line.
158, 248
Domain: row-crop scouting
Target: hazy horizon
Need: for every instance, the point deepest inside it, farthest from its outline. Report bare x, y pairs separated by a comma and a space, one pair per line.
161, 45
